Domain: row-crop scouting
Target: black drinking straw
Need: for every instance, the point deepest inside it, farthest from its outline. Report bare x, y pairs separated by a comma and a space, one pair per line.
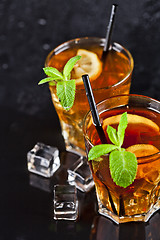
104, 55
97, 124
109, 31
93, 108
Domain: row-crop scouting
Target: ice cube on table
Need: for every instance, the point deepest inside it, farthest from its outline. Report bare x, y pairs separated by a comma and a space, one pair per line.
43, 160
65, 202
80, 175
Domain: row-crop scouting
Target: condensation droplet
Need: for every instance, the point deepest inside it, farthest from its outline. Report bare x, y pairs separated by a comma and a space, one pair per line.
42, 21
46, 46
5, 66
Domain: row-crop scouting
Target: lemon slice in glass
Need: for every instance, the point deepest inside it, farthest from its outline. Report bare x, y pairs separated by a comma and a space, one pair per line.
88, 64
142, 150
132, 119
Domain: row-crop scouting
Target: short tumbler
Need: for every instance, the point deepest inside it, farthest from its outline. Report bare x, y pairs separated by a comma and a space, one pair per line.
141, 199
114, 78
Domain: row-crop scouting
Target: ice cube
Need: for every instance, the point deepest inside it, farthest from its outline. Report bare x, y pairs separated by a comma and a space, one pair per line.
65, 202
43, 160
80, 175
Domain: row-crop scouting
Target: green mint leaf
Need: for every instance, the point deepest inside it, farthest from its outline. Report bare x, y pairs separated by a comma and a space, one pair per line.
53, 72
112, 134
48, 79
69, 76
64, 86
100, 150
69, 66
123, 164
121, 128
123, 167
66, 93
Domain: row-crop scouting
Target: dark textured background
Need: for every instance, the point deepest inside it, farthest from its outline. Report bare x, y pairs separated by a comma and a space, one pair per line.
29, 29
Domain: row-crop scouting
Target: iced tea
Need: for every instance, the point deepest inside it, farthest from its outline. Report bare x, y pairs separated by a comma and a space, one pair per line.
114, 79
139, 200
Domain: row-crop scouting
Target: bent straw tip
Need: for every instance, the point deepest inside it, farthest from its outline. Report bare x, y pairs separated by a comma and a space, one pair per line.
115, 5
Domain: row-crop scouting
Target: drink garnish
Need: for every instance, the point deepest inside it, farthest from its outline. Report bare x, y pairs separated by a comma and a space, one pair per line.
132, 119
88, 64
123, 164
142, 150
65, 86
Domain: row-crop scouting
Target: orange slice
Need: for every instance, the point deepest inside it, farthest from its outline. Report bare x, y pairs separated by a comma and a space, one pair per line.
142, 150
88, 64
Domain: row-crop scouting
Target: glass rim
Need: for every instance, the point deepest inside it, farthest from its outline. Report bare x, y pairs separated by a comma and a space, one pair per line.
141, 160
64, 46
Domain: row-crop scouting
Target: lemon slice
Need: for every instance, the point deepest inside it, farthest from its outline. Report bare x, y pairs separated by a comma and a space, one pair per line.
142, 150
132, 119
88, 64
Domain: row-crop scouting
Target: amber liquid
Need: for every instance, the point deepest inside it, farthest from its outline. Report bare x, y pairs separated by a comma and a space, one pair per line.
142, 194
115, 68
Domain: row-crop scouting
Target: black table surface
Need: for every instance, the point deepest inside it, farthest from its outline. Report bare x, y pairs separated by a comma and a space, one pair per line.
29, 30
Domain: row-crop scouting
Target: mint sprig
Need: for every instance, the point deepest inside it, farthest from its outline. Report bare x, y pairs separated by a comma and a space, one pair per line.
66, 93
123, 164
65, 87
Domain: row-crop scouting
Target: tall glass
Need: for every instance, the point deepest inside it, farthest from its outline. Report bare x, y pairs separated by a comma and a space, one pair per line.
114, 79
141, 199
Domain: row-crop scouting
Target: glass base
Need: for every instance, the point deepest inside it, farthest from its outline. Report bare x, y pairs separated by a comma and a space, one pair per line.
144, 217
